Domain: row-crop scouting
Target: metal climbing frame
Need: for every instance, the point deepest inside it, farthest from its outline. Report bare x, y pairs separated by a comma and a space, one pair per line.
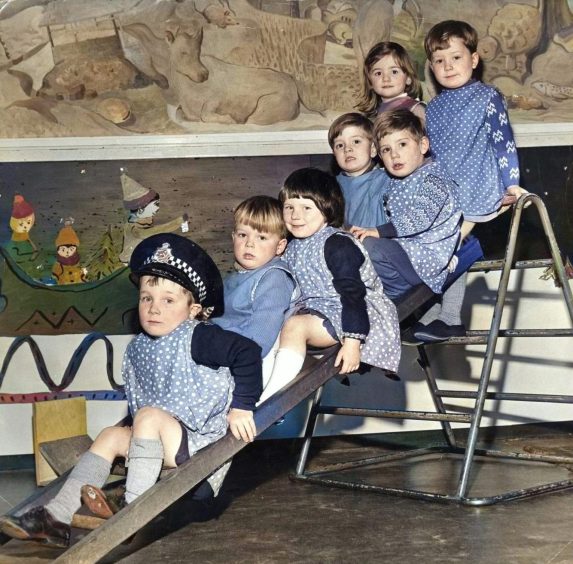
325, 474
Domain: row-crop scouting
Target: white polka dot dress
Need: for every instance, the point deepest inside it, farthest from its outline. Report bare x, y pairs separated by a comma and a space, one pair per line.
305, 257
160, 372
426, 215
459, 124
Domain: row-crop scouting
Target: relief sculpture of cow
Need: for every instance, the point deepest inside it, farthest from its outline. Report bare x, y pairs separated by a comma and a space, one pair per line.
205, 88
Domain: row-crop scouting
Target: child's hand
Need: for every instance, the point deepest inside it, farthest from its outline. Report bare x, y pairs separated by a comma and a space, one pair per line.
242, 424
453, 264
362, 232
512, 194
348, 355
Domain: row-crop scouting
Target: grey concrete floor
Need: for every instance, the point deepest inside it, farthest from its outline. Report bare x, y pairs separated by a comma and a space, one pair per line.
263, 517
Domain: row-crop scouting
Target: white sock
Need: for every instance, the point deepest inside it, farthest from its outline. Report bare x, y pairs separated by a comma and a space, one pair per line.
287, 365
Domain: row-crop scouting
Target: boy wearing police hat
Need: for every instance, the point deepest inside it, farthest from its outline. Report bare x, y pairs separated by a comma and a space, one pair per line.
181, 377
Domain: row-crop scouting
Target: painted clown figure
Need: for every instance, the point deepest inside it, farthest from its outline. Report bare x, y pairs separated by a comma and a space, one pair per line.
21, 247
21, 222
67, 269
142, 204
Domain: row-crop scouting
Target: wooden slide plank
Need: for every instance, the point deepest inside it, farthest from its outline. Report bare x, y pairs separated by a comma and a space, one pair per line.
129, 520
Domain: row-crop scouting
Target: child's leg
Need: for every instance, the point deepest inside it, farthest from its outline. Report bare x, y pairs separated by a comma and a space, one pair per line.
392, 266
92, 468
156, 436
298, 332
51, 524
448, 312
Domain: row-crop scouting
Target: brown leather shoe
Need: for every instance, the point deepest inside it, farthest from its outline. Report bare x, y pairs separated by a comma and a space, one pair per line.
37, 524
102, 504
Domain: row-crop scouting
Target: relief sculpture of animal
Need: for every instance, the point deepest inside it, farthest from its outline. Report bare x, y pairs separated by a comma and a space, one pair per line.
553, 90
205, 88
178, 48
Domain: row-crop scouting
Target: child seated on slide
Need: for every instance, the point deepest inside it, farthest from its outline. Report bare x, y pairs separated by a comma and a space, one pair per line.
363, 183
259, 294
424, 218
185, 381
341, 297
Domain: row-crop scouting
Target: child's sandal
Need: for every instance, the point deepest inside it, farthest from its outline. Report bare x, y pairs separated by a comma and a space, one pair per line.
100, 504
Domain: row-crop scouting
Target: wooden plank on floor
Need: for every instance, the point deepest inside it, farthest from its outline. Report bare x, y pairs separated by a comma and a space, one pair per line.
63, 454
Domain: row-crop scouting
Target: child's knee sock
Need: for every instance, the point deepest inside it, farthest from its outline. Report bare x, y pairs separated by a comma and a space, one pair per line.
451, 312
90, 469
287, 365
145, 462
432, 314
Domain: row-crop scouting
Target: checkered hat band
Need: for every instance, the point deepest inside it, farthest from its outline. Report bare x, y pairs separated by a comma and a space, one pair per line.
187, 270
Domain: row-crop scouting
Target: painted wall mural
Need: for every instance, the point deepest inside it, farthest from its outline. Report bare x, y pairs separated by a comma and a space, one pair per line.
128, 67
67, 231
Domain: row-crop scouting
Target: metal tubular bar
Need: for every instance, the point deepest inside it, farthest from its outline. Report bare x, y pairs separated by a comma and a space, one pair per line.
309, 431
555, 253
540, 398
489, 265
381, 458
396, 414
424, 362
496, 321
431, 496
490, 349
525, 333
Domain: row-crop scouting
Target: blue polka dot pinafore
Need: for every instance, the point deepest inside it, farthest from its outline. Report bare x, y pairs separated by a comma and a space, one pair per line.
305, 257
160, 372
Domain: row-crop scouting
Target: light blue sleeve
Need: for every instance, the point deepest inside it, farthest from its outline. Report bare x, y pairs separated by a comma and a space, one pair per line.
270, 303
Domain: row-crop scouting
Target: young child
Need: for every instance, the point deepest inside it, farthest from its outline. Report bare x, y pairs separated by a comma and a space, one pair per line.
341, 297
423, 231
471, 138
259, 294
389, 81
179, 385
363, 183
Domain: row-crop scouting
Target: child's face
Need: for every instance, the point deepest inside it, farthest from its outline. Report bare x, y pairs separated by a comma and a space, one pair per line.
302, 217
402, 153
387, 78
454, 66
254, 248
163, 307
66, 251
353, 150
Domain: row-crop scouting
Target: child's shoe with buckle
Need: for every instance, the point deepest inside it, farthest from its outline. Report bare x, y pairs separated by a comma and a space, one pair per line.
103, 505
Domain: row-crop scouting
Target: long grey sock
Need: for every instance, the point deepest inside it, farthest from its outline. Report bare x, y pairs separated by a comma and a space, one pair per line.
432, 314
452, 300
90, 469
145, 462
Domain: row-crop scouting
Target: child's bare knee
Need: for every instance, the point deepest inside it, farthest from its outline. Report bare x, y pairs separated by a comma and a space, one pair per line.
112, 442
293, 327
147, 417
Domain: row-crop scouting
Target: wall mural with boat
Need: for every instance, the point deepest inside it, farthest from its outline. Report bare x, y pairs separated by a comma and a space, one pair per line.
130, 67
